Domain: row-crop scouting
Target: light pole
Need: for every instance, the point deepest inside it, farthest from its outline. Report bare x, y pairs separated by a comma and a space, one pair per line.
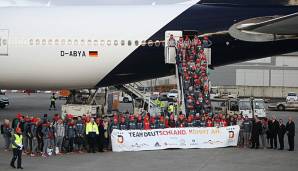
283, 76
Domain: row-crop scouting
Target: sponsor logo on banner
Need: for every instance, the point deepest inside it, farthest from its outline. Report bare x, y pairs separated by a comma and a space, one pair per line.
120, 139
231, 134
213, 142
182, 142
193, 142
157, 144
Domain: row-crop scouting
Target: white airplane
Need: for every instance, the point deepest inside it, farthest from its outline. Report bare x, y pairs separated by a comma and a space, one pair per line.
73, 47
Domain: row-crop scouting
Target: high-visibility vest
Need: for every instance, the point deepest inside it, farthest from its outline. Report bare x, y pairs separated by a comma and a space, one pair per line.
18, 140
162, 104
53, 98
157, 102
91, 128
171, 108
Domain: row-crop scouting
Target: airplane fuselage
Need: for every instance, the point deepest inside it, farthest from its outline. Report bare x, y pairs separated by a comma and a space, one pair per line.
84, 47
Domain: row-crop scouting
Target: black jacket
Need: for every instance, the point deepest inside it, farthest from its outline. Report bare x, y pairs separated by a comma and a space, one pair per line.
290, 127
275, 127
256, 128
282, 130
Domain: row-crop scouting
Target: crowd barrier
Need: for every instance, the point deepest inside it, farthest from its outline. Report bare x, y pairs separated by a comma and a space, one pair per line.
184, 138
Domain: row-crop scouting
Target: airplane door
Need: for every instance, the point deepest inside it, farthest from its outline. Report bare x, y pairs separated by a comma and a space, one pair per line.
170, 46
4, 42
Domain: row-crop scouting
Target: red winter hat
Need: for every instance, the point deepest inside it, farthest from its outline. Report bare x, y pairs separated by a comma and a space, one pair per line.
19, 115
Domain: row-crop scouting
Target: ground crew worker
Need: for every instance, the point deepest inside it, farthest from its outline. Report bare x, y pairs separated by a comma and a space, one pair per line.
162, 106
17, 146
290, 127
91, 132
53, 102
171, 108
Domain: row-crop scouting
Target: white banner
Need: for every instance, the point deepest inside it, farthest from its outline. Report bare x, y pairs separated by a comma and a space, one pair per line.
157, 139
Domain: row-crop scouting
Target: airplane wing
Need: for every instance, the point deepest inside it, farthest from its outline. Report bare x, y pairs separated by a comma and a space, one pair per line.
269, 28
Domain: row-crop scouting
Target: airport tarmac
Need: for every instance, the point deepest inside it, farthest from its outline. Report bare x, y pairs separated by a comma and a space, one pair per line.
222, 159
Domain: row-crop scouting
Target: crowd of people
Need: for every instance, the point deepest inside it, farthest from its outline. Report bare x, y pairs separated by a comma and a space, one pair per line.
44, 136
192, 67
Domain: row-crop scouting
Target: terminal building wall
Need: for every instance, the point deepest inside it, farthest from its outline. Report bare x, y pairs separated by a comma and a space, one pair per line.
274, 71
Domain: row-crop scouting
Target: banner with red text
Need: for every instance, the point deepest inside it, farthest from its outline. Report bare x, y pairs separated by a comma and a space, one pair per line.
157, 139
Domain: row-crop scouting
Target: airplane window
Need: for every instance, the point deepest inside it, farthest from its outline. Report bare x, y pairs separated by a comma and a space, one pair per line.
137, 43
75, 42
150, 43
102, 43
82, 42
116, 42
129, 43
69, 42
44, 42
31, 41
95, 42
122, 42
89, 42
56, 42
109, 42
37, 41
144, 43
157, 43
50, 42
62, 42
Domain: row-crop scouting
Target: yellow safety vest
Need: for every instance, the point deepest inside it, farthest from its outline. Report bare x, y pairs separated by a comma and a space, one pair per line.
171, 108
162, 104
157, 102
18, 140
91, 128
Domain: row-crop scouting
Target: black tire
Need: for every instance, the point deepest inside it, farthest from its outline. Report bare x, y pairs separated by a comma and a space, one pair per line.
125, 100
2, 107
281, 108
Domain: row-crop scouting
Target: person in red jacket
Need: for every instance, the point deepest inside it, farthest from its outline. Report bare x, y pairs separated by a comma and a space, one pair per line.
223, 122
166, 122
146, 123
209, 122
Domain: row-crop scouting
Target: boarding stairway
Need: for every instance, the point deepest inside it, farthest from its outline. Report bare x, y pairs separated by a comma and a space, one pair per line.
191, 55
132, 90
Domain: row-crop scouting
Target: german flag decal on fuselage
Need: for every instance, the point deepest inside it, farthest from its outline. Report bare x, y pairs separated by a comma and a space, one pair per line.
93, 53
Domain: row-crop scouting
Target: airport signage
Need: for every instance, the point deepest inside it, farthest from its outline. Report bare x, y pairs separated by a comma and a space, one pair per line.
185, 138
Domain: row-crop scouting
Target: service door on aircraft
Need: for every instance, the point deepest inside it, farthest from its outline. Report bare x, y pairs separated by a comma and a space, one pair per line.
170, 47
3, 42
